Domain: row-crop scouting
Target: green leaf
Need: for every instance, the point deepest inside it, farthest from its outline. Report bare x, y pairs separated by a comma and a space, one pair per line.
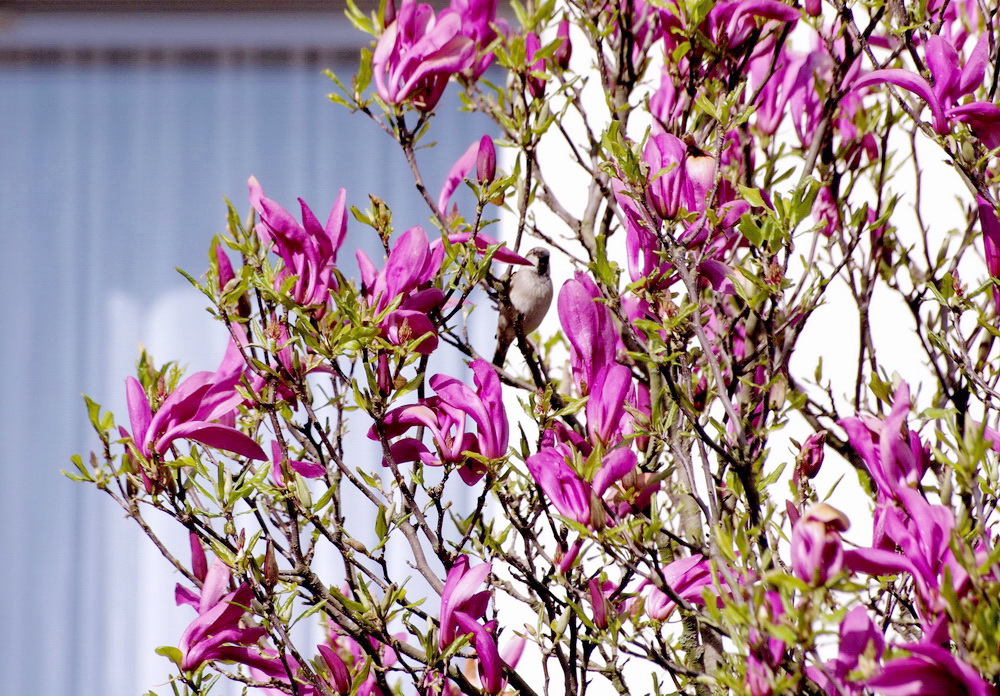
752, 196
750, 230
171, 653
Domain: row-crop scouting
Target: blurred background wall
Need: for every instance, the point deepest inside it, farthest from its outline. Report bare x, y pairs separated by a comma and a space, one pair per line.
122, 127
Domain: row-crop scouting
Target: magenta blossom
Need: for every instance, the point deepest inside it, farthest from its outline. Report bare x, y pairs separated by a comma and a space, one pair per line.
951, 82
479, 17
418, 53
607, 419
445, 415
686, 577
810, 457
309, 250
589, 328
572, 496
676, 180
216, 634
462, 607
817, 552
564, 51
481, 156
922, 532
894, 456
859, 638
190, 412
346, 658
412, 264
766, 652
536, 68
732, 22
930, 670
279, 465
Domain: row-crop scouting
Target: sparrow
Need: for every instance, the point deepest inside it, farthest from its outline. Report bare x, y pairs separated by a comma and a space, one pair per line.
529, 297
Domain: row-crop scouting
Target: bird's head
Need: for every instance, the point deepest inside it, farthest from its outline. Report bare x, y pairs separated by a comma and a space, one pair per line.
539, 258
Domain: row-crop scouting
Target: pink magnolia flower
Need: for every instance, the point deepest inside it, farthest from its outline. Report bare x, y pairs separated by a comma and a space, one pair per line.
687, 577
190, 412
412, 264
418, 53
462, 607
589, 328
951, 82
345, 658
675, 180
826, 212
817, 552
479, 17
731, 22
859, 637
481, 156
792, 73
534, 79
216, 634
445, 415
599, 593
810, 457
573, 497
922, 532
309, 250
607, 419
930, 670
311, 470
894, 456
766, 652
564, 51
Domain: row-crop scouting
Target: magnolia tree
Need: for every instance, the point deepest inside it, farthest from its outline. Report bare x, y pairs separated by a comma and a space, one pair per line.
633, 524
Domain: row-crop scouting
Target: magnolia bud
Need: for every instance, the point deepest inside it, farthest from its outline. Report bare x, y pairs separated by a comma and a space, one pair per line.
598, 516
270, 569
810, 457
486, 161
817, 552
536, 85
599, 602
563, 53
383, 378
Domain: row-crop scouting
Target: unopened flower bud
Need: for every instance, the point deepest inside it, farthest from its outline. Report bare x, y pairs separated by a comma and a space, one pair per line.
813, 8
598, 516
389, 16
383, 378
817, 552
810, 457
564, 52
599, 602
535, 84
270, 569
486, 161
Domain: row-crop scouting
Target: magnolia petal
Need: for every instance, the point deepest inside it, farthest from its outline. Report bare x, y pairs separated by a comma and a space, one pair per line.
615, 465
340, 676
213, 435
139, 413
457, 175
910, 82
185, 595
490, 664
